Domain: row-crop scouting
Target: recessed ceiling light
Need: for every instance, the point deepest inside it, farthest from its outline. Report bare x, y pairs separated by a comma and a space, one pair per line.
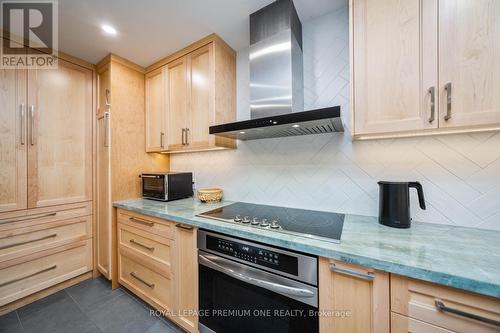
296, 125
242, 132
108, 29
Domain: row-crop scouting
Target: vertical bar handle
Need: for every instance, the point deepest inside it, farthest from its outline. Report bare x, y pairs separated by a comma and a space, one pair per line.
108, 102
187, 136
23, 123
162, 137
432, 92
447, 87
32, 125
183, 132
106, 129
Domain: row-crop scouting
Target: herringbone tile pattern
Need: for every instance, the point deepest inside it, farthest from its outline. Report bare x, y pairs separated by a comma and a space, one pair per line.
460, 173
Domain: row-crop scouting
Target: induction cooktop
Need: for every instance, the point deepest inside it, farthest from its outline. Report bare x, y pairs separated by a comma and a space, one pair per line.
326, 226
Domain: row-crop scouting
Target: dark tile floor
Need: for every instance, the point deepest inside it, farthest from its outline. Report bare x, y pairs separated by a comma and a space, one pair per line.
88, 307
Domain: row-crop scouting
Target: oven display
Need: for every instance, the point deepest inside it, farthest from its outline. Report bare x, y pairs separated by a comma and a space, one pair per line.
271, 259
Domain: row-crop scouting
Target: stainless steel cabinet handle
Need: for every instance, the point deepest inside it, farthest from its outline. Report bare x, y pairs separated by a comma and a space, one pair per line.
447, 87
106, 129
183, 226
27, 242
277, 287
149, 248
108, 102
432, 92
365, 276
27, 276
32, 125
134, 275
24, 218
183, 132
23, 123
141, 221
187, 136
162, 136
443, 308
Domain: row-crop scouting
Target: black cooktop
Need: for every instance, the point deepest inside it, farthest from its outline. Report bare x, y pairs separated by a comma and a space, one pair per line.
300, 222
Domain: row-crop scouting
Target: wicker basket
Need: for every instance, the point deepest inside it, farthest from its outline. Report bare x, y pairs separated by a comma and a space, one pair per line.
210, 194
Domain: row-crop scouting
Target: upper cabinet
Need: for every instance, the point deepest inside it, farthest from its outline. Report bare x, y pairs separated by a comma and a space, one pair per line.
188, 92
424, 66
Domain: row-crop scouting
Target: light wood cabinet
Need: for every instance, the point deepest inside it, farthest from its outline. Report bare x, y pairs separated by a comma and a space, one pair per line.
13, 140
199, 90
158, 262
422, 305
360, 295
399, 50
60, 135
469, 60
121, 157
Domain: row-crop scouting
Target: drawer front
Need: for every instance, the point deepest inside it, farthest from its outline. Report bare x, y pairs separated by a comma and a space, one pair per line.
436, 305
56, 266
24, 241
147, 223
145, 283
31, 217
148, 244
403, 324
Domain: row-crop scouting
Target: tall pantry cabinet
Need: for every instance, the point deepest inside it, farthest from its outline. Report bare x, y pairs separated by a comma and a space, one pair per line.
46, 185
120, 150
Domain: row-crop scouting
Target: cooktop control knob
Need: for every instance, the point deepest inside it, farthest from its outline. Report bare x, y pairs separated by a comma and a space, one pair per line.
275, 225
246, 219
237, 219
255, 221
264, 223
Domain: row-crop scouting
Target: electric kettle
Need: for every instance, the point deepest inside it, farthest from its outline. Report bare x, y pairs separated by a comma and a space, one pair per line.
394, 203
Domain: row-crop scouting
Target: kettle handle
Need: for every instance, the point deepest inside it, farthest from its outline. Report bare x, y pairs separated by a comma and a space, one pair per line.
420, 192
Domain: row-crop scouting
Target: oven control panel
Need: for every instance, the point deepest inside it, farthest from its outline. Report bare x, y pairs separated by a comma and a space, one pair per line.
253, 254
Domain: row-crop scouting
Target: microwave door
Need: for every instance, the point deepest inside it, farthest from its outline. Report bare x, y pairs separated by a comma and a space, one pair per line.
154, 187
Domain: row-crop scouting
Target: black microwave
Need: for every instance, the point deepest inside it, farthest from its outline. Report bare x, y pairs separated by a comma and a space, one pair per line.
167, 186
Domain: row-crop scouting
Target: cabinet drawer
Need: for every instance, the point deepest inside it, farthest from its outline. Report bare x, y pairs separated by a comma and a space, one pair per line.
31, 217
44, 270
147, 223
146, 283
403, 324
19, 242
421, 300
148, 244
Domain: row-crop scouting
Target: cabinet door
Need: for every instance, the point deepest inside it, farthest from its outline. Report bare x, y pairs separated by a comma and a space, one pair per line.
155, 111
403, 324
103, 218
177, 103
363, 295
469, 60
395, 65
201, 95
13, 143
60, 135
185, 276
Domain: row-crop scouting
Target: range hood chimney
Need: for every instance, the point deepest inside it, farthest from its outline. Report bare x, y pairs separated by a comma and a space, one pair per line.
276, 81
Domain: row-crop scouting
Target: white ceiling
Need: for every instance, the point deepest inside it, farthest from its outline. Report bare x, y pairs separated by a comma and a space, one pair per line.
149, 30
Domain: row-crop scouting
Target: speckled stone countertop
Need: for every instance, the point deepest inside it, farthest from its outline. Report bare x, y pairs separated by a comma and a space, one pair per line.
464, 258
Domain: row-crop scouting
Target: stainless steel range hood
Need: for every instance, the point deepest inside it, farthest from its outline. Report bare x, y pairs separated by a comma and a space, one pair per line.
276, 81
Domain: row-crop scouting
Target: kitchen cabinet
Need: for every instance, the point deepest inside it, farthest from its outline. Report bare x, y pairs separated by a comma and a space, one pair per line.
158, 262
424, 67
360, 295
419, 307
13, 138
121, 157
198, 90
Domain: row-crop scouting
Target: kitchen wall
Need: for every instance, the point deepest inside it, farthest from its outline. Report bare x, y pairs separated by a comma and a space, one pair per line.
460, 173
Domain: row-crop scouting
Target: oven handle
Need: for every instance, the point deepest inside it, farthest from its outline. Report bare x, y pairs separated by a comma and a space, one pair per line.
220, 265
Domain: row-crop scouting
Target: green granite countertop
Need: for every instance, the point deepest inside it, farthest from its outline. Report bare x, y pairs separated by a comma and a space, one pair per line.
463, 258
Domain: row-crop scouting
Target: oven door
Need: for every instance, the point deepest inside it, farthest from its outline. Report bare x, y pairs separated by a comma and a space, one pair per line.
154, 187
234, 297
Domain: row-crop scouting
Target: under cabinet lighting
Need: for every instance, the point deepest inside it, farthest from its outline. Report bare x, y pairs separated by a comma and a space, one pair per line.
108, 29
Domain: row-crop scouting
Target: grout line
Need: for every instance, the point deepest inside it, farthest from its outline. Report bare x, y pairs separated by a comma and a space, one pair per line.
19, 319
82, 311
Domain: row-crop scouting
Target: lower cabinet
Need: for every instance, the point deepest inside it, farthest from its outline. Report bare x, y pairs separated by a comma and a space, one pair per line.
352, 299
158, 262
